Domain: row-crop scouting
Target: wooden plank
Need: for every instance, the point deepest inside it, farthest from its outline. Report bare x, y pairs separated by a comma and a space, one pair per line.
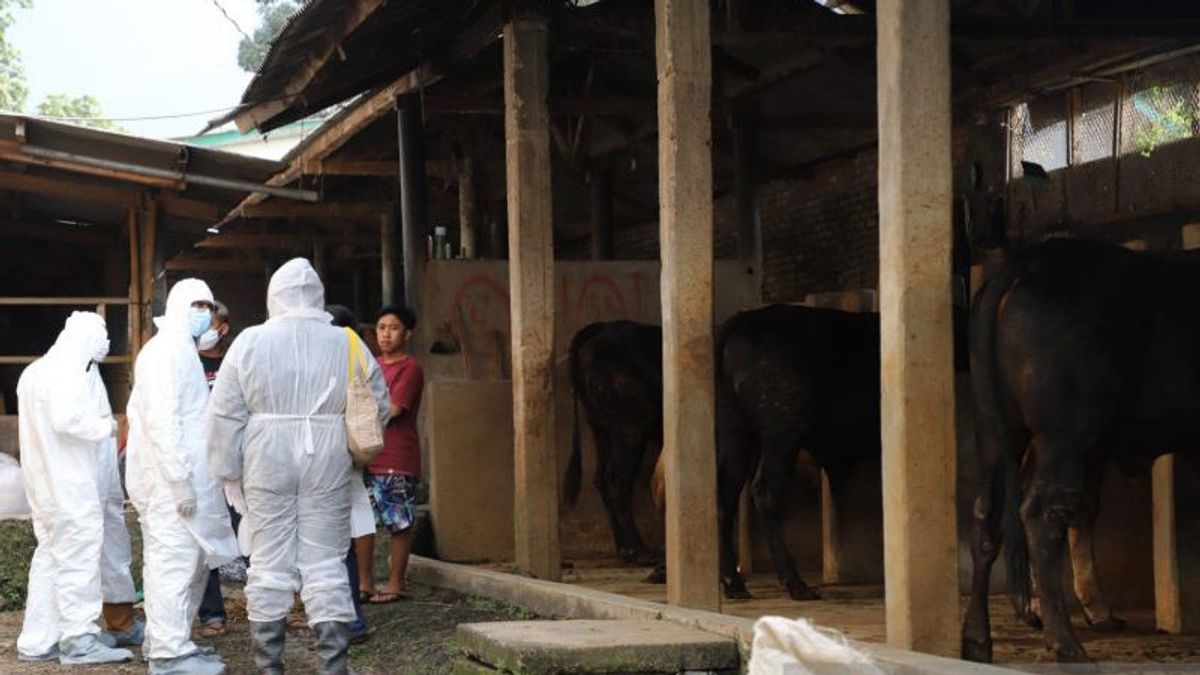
62, 301
287, 209
686, 235
58, 233
346, 167
26, 360
148, 231
73, 190
8, 153
184, 264
387, 257
918, 434
351, 15
531, 280
135, 285
286, 241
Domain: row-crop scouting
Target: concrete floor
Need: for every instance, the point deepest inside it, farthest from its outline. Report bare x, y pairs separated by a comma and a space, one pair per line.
859, 613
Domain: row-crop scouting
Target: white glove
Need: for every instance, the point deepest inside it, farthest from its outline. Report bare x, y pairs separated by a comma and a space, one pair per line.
235, 496
185, 497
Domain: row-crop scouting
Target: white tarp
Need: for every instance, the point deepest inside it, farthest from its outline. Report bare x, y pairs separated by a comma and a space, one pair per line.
12, 488
796, 647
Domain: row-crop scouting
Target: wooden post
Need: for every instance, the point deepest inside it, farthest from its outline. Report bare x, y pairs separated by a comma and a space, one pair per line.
531, 280
387, 258
149, 245
915, 235
745, 151
318, 261
683, 57
411, 135
602, 216
468, 206
135, 287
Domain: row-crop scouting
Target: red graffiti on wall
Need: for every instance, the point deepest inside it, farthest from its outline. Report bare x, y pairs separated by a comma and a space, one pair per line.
481, 311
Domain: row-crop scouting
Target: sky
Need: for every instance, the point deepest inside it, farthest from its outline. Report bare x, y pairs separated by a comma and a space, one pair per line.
139, 58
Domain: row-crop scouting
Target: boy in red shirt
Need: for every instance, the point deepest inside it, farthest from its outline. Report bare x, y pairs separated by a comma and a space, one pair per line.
393, 477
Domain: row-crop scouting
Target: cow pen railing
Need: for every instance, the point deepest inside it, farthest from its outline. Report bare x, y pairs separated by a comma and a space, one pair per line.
100, 304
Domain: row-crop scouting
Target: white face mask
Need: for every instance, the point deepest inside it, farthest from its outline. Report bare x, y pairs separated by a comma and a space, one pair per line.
209, 340
101, 351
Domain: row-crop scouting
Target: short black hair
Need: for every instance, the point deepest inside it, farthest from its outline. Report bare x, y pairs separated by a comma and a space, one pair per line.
343, 316
406, 315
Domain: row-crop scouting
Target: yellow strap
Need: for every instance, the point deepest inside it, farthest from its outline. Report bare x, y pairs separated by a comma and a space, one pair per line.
355, 355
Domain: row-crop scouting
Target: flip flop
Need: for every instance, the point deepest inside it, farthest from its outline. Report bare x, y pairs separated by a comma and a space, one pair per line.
386, 597
214, 629
365, 596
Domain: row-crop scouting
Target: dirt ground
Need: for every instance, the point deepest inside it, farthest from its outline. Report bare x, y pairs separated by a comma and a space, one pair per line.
411, 636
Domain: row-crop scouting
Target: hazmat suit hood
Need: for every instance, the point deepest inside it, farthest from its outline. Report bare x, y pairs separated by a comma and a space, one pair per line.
179, 303
84, 338
296, 292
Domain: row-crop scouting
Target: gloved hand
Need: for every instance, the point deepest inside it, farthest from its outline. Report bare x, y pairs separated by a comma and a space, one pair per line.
235, 496
185, 497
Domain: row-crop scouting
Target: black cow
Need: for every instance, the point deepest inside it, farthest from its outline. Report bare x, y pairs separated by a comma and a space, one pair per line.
790, 378
616, 372
1082, 354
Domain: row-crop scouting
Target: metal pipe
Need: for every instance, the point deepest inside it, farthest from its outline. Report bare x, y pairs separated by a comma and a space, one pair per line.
198, 179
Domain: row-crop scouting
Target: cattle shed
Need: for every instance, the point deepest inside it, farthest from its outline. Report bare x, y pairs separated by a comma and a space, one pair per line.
90, 220
678, 161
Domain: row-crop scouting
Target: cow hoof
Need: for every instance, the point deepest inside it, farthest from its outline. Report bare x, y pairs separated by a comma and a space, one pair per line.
1112, 624
658, 576
1074, 660
979, 651
737, 593
1030, 619
801, 591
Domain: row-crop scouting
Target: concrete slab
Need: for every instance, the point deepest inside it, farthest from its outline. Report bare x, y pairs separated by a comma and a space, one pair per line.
544, 647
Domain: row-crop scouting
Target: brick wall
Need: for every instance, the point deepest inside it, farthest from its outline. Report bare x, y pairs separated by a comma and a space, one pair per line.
820, 232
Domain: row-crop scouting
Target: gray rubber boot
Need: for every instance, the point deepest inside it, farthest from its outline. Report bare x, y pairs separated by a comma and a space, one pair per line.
196, 663
89, 649
333, 646
268, 645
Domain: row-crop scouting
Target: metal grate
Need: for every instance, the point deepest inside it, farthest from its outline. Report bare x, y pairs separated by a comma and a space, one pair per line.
1159, 113
1093, 127
1039, 134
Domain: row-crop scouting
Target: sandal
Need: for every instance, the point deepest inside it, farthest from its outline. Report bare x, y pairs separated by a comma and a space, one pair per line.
365, 596
297, 622
386, 597
213, 629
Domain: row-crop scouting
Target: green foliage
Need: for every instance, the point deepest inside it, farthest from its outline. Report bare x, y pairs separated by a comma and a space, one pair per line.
84, 110
1169, 117
273, 17
16, 550
13, 89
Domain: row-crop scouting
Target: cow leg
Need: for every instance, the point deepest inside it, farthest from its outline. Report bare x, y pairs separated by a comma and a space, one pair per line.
986, 534
624, 468
770, 486
1096, 609
733, 472
602, 482
1051, 504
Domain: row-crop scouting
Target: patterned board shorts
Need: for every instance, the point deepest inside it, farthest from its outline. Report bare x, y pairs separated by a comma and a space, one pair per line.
393, 497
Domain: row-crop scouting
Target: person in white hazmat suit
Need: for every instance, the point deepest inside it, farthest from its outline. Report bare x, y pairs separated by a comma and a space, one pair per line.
185, 523
277, 437
65, 428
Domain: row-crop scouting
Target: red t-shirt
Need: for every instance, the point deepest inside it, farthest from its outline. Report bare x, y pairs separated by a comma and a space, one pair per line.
401, 444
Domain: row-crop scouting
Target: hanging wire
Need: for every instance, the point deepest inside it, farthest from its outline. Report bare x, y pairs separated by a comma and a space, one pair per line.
231, 20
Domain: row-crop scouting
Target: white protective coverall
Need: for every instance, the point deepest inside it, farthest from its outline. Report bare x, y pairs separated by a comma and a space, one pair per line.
277, 424
164, 466
65, 428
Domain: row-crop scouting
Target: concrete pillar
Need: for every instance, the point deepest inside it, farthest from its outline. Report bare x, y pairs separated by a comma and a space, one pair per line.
387, 257
915, 236
686, 233
1176, 546
468, 207
602, 216
531, 284
411, 138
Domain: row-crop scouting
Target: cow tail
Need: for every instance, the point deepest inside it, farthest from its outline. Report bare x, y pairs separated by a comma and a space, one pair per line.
985, 367
574, 476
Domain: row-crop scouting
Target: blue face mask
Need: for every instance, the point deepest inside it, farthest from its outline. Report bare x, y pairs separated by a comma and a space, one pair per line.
199, 321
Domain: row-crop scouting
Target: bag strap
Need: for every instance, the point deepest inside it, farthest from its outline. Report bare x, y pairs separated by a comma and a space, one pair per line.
355, 355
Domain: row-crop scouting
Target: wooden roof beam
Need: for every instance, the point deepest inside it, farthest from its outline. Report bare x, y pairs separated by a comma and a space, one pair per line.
283, 241
352, 16
123, 197
187, 264
279, 209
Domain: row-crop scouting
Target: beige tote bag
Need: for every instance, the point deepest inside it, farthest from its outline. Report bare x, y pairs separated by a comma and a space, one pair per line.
363, 430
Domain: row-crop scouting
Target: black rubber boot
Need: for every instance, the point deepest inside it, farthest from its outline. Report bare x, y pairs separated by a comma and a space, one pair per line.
268, 645
333, 646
